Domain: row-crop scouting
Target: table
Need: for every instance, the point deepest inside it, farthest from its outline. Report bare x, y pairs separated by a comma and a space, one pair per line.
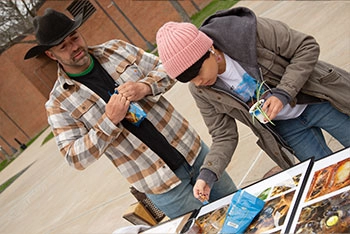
312, 196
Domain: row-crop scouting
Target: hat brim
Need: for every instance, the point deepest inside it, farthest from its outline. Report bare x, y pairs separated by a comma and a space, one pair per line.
39, 49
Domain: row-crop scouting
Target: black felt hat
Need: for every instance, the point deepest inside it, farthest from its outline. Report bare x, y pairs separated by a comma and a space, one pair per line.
51, 29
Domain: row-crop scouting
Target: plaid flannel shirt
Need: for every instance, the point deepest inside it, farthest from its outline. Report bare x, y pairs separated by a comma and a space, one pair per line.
84, 133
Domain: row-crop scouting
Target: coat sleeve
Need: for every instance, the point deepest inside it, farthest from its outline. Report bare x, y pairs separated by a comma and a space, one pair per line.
223, 131
298, 51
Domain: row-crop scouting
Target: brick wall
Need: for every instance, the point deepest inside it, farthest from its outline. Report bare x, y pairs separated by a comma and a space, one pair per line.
25, 85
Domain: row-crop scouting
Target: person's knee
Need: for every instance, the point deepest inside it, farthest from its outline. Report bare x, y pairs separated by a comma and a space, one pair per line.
176, 202
181, 206
223, 187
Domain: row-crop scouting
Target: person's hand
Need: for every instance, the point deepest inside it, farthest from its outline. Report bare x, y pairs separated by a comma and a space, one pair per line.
272, 107
117, 107
201, 190
134, 91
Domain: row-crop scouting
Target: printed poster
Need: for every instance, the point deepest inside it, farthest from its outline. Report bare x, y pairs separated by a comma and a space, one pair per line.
325, 204
310, 197
281, 192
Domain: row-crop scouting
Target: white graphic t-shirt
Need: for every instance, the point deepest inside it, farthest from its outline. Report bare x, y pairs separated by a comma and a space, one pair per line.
245, 86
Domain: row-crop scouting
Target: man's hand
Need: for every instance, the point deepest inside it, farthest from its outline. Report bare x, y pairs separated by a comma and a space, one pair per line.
134, 91
272, 107
117, 107
201, 190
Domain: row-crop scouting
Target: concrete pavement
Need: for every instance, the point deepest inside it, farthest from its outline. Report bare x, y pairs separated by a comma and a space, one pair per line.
50, 197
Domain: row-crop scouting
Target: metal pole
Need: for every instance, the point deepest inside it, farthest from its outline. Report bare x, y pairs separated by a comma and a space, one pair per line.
185, 17
11, 147
22, 145
195, 5
149, 45
15, 123
4, 153
120, 29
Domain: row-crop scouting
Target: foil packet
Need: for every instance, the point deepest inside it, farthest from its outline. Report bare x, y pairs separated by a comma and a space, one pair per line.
241, 212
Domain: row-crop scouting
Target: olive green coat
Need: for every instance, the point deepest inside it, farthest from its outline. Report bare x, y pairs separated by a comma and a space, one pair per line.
268, 50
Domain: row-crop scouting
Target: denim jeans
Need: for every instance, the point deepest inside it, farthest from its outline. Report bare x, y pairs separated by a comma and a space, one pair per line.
304, 133
180, 200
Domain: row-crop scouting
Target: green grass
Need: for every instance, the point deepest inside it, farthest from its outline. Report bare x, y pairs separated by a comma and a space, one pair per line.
216, 5
34, 138
8, 183
4, 163
47, 138
12, 179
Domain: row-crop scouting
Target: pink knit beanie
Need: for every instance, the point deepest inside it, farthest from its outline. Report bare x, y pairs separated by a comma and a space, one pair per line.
180, 45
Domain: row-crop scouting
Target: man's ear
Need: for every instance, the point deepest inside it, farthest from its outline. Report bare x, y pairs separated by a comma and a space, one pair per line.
50, 55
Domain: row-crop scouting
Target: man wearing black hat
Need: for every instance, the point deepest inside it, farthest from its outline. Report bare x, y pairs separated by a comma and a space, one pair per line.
107, 100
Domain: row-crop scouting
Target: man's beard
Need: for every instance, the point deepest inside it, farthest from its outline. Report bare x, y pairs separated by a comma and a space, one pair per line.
77, 61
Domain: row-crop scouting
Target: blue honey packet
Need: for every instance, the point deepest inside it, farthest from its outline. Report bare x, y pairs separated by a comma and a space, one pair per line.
135, 114
241, 212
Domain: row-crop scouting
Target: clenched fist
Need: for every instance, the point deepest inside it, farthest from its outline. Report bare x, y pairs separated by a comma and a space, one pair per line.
117, 107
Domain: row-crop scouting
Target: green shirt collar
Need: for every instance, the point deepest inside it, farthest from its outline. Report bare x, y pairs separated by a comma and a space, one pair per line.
91, 66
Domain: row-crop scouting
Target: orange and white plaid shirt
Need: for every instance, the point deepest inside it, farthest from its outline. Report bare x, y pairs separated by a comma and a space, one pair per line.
84, 133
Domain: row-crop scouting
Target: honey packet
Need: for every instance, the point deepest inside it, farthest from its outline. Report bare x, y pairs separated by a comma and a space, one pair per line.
241, 212
135, 114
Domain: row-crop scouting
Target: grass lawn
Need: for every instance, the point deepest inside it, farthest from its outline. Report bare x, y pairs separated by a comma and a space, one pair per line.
216, 5
12, 179
4, 163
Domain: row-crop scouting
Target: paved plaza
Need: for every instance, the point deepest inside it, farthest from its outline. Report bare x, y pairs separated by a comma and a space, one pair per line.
51, 197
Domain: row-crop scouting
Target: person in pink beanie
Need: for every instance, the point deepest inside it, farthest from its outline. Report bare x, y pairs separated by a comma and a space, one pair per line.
235, 54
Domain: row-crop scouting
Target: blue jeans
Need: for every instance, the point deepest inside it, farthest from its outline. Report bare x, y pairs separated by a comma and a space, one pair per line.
304, 133
180, 200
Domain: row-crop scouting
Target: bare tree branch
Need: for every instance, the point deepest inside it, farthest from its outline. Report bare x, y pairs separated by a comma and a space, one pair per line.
16, 21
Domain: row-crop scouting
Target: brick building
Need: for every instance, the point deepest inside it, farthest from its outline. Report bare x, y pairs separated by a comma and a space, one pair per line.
25, 85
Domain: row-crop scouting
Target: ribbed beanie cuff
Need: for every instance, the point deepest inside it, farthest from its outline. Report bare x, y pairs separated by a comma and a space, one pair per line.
180, 45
